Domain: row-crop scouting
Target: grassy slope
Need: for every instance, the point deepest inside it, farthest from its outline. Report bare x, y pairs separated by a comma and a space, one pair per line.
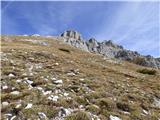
117, 87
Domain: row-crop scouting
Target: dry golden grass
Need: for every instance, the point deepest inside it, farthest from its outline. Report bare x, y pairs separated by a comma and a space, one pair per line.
114, 88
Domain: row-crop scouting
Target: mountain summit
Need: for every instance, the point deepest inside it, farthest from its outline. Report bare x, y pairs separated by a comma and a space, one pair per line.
72, 34
109, 49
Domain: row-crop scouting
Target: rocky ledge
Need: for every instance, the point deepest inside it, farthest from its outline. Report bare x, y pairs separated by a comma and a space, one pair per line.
109, 49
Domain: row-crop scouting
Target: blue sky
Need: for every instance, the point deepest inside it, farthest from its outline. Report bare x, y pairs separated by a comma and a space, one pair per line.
135, 25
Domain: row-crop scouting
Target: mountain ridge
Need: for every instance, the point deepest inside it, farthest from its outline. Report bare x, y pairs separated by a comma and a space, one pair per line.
109, 49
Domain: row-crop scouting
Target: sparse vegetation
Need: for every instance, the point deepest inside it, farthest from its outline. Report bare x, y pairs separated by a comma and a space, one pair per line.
80, 115
117, 90
147, 71
139, 61
64, 50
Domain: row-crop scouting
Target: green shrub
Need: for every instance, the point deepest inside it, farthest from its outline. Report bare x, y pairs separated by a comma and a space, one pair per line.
147, 71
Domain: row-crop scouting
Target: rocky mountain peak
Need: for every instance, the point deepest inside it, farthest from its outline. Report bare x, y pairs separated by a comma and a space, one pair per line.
72, 34
109, 49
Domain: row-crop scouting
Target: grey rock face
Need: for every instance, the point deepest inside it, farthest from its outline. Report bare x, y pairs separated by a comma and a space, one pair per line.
76, 43
74, 38
93, 45
108, 49
126, 55
71, 34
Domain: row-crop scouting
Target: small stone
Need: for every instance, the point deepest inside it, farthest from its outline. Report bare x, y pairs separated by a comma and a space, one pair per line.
58, 82
5, 87
66, 94
18, 81
11, 75
47, 92
18, 106
40, 88
53, 98
12, 118
156, 102
42, 115
71, 74
24, 74
81, 79
29, 105
114, 117
64, 112
145, 112
4, 104
29, 81
8, 114
15, 93
57, 64
54, 79
13, 88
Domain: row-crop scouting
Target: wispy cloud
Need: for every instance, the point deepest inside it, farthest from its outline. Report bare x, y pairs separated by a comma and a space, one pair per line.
135, 25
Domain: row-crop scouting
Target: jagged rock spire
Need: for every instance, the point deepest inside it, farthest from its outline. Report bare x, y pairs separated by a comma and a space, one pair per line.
72, 34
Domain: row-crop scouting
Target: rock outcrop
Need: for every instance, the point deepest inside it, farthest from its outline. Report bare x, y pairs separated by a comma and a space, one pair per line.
74, 38
72, 34
109, 49
93, 45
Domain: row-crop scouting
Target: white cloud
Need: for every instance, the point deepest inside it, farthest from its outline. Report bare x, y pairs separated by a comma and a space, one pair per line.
135, 25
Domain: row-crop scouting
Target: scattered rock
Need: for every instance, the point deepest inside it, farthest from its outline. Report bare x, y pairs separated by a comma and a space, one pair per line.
145, 112
5, 87
18, 106
18, 81
8, 114
71, 74
65, 112
114, 117
29, 82
156, 102
66, 94
12, 118
47, 92
58, 81
81, 79
4, 104
11, 75
53, 98
42, 115
56, 64
15, 93
29, 105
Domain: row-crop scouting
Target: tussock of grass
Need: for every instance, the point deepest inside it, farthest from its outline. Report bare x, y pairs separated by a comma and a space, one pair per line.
94, 109
64, 50
139, 60
147, 71
78, 116
123, 106
105, 103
